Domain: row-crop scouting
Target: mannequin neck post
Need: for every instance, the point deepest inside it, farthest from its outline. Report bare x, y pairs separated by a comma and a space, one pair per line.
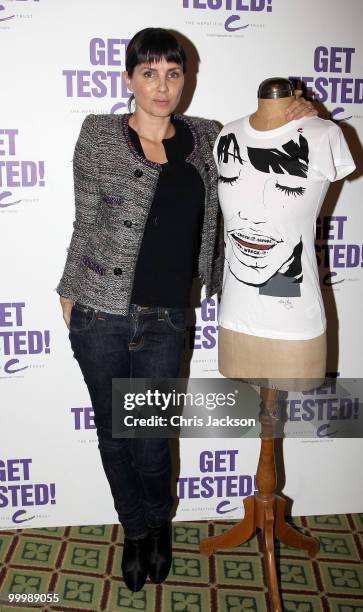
270, 113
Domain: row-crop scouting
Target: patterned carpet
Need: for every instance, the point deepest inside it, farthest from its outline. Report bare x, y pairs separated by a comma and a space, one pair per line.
82, 564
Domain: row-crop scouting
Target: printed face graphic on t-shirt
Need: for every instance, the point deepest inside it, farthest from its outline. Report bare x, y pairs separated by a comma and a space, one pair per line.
268, 188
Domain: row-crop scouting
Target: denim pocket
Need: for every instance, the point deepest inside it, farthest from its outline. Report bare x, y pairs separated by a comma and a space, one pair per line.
176, 319
82, 318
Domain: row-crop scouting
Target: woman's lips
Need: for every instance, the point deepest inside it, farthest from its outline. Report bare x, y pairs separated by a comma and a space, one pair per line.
260, 243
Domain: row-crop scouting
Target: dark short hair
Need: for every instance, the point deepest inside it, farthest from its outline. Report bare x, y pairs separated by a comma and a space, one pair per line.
152, 45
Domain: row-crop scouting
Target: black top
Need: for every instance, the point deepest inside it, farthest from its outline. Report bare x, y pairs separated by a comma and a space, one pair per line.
168, 258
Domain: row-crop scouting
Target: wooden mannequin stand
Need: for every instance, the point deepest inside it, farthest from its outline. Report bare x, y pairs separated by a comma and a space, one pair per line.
265, 510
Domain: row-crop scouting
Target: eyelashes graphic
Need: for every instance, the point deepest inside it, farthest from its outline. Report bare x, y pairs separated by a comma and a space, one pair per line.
229, 180
289, 191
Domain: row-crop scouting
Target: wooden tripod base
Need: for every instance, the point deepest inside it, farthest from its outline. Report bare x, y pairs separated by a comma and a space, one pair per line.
268, 514
265, 510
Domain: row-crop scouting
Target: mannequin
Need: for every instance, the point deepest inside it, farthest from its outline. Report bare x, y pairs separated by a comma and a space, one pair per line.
276, 363
273, 177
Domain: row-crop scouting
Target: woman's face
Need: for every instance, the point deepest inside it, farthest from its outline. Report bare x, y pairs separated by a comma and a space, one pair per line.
157, 87
266, 214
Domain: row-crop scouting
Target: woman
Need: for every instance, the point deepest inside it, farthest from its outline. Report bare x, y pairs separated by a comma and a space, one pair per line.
147, 222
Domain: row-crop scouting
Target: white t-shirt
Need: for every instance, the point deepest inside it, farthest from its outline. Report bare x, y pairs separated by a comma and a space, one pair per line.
271, 188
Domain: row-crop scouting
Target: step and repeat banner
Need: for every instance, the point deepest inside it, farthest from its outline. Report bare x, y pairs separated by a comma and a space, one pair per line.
64, 60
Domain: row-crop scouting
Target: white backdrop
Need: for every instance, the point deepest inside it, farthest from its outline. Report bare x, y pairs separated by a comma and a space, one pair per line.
61, 61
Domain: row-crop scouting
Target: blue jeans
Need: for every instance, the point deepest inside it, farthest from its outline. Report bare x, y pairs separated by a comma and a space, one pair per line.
148, 342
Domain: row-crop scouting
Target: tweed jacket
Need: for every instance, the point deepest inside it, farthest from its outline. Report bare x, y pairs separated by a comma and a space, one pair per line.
114, 188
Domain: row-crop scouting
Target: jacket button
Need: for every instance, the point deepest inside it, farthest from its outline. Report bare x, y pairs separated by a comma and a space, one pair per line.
206, 167
138, 173
117, 271
128, 223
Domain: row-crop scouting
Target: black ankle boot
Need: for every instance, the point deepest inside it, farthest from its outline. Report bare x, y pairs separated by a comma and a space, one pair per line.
134, 564
159, 551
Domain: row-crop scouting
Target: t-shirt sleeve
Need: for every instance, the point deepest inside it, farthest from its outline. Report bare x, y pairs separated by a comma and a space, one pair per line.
333, 159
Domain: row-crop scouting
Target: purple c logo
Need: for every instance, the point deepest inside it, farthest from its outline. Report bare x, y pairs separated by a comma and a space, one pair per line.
222, 504
3, 196
19, 513
117, 106
232, 19
2, 8
327, 279
324, 431
10, 363
336, 112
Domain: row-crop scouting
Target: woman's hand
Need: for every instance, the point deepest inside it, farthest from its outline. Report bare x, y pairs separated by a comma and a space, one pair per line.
66, 304
300, 107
